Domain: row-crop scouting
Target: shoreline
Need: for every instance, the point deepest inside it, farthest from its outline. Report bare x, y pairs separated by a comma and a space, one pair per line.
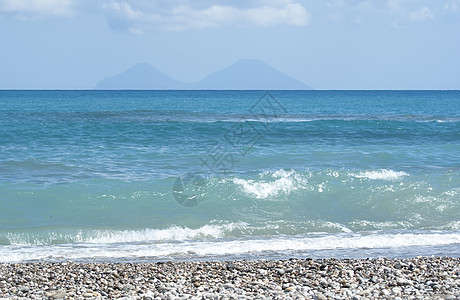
373, 278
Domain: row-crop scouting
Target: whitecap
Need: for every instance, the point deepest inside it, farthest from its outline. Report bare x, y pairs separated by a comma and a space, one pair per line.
382, 174
278, 182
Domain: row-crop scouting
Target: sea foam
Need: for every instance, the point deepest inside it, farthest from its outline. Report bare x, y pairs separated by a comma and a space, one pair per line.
272, 184
253, 248
382, 174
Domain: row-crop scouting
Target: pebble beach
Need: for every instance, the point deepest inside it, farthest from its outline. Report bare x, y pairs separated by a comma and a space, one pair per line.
379, 278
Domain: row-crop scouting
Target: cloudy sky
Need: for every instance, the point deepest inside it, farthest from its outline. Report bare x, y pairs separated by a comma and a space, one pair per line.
327, 44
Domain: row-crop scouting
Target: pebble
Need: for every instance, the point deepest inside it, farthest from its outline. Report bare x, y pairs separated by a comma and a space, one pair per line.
56, 295
228, 286
88, 295
262, 271
403, 281
23, 289
320, 296
290, 289
280, 271
414, 278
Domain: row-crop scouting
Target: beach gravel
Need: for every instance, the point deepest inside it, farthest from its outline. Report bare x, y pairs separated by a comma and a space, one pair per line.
379, 278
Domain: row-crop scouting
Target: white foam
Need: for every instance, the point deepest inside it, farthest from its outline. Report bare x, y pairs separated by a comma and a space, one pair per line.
454, 225
369, 225
338, 226
278, 182
173, 233
263, 120
453, 192
382, 174
215, 248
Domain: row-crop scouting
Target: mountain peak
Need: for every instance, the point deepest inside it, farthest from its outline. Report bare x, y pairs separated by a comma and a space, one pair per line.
244, 74
249, 61
141, 76
250, 74
143, 66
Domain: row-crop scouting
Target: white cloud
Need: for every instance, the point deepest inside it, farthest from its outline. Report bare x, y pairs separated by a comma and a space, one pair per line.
421, 14
364, 4
26, 9
178, 15
395, 5
452, 5
396, 12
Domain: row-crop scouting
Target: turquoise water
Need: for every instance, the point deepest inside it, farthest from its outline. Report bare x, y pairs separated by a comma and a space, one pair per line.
154, 175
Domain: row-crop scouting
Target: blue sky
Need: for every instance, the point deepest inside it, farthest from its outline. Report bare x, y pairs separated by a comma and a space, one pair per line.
330, 44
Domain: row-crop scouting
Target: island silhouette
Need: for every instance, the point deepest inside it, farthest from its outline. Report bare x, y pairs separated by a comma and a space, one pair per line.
245, 74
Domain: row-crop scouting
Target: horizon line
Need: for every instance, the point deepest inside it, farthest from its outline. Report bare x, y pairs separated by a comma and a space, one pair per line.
215, 90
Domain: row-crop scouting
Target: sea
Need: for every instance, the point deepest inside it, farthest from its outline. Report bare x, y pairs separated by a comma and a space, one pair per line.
145, 176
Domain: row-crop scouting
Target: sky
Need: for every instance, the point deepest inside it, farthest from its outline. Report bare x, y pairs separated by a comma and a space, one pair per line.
327, 44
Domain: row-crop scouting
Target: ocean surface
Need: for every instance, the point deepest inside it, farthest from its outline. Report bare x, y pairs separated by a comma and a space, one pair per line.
181, 175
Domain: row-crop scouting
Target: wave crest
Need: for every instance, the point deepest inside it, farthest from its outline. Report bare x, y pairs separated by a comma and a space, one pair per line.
272, 184
382, 174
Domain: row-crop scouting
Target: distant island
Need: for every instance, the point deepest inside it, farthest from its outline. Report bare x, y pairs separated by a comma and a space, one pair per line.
245, 74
